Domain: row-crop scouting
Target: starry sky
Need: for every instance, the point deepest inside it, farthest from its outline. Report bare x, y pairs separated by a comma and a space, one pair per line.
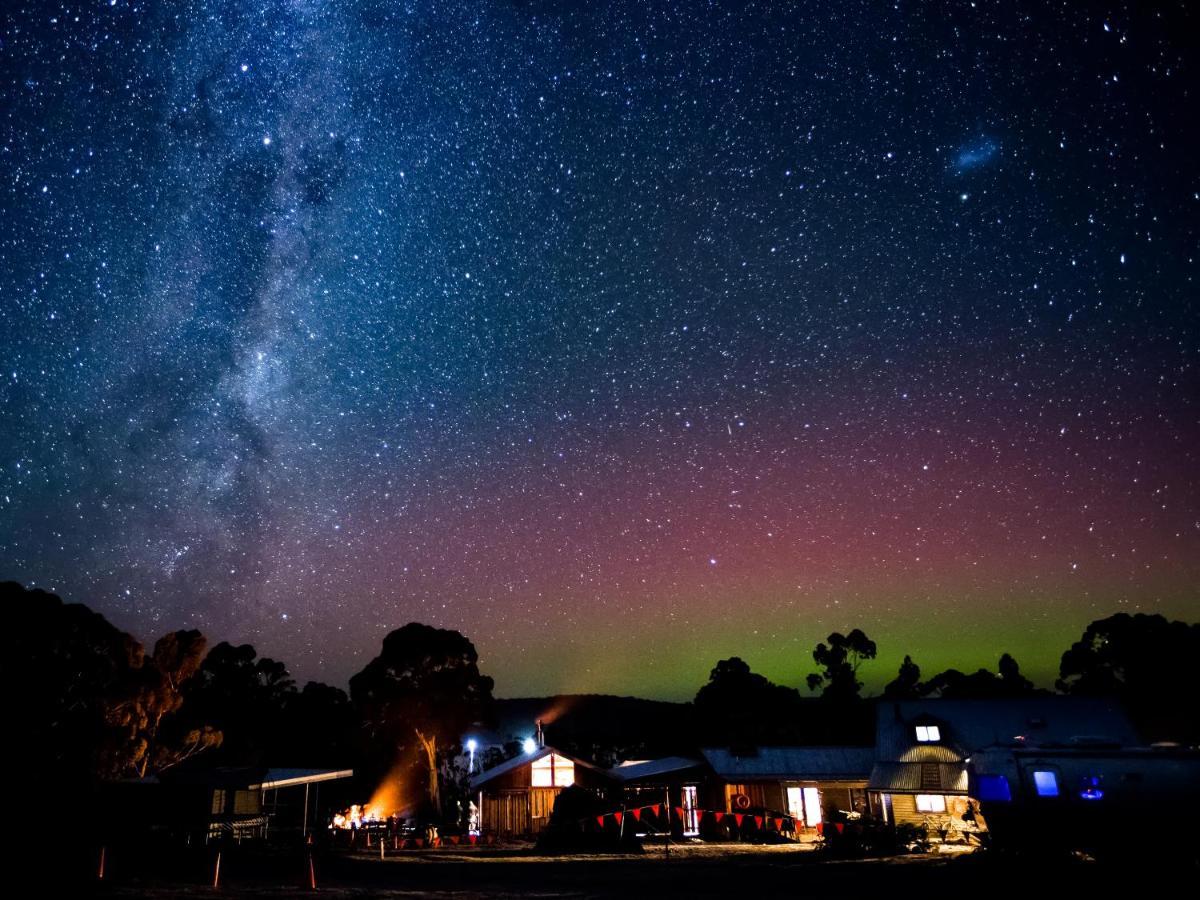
623, 337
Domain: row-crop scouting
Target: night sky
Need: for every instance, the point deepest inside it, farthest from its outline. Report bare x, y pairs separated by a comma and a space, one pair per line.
622, 337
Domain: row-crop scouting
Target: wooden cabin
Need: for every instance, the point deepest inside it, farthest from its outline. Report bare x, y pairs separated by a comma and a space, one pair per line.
923, 748
802, 783
516, 797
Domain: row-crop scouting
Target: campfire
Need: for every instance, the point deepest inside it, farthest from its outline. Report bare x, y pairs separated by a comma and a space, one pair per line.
386, 803
359, 816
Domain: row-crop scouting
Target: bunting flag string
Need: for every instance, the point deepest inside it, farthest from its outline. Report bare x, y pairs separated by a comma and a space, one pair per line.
714, 816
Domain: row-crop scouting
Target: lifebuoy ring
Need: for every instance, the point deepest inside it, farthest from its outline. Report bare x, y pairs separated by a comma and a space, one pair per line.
741, 801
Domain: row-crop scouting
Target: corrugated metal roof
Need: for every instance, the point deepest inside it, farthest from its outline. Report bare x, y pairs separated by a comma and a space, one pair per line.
970, 725
650, 768
280, 778
791, 763
919, 778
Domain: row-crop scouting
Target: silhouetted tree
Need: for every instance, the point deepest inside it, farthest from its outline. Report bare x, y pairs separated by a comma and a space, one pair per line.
142, 708
981, 684
243, 695
59, 664
1147, 662
739, 706
1015, 684
319, 728
424, 690
907, 683
840, 659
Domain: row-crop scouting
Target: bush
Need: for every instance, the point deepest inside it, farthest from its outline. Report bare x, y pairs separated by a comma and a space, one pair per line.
573, 829
871, 837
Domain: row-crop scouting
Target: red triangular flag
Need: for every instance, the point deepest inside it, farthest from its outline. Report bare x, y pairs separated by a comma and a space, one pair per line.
820, 828
656, 807
758, 821
840, 826
618, 816
600, 821
679, 813
778, 824
718, 816
738, 818
637, 814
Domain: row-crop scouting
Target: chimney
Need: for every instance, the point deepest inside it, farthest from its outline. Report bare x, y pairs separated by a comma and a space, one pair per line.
539, 735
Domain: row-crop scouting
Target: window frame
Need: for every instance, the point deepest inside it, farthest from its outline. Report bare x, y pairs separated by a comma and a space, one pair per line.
928, 734
554, 768
932, 802
1050, 789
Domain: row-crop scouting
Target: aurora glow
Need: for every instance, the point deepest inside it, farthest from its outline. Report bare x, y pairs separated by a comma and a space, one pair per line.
622, 341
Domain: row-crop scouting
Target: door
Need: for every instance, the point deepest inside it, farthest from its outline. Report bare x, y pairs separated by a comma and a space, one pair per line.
691, 815
795, 804
812, 807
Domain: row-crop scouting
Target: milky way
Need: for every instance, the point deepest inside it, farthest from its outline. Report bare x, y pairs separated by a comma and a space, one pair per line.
623, 338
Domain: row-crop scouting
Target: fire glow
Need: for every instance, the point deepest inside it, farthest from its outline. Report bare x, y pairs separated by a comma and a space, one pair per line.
388, 800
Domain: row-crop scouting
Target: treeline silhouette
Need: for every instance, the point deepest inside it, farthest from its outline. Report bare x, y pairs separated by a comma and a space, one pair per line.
87, 702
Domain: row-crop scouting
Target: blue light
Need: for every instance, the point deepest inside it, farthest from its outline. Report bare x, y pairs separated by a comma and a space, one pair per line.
1046, 784
1091, 788
530, 746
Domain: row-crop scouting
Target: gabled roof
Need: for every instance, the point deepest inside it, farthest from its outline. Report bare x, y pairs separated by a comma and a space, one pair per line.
791, 763
650, 768
525, 759
971, 725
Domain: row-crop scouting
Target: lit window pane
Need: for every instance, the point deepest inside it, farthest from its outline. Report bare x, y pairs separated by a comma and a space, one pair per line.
928, 733
1046, 784
931, 803
542, 772
552, 771
564, 771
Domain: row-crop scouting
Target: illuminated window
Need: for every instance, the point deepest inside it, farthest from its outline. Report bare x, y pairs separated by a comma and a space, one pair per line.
552, 771
1046, 784
928, 734
931, 803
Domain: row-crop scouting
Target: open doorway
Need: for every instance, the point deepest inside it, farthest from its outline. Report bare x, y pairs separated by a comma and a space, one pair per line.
691, 815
